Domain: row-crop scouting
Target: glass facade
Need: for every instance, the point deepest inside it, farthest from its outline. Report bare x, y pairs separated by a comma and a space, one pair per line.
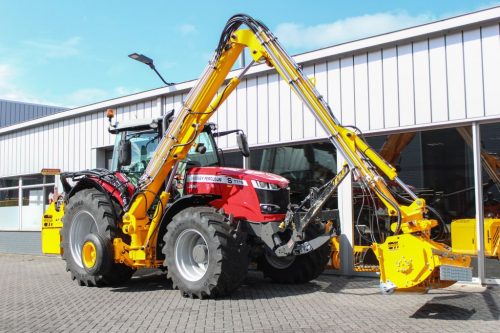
232, 159
438, 165
9, 209
490, 160
24, 212
304, 165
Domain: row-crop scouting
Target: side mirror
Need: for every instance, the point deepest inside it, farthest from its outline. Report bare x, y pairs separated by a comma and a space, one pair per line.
241, 138
125, 153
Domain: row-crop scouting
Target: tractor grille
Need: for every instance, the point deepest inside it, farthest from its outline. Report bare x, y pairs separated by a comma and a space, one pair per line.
273, 201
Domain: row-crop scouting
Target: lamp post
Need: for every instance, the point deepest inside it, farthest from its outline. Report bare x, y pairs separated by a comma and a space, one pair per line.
148, 61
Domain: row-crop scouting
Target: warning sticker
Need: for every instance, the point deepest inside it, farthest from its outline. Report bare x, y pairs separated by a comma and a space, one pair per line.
221, 179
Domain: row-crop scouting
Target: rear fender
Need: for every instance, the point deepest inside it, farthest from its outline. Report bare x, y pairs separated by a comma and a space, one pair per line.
107, 189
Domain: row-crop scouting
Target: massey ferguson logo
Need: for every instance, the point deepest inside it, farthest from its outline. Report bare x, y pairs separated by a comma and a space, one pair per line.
215, 180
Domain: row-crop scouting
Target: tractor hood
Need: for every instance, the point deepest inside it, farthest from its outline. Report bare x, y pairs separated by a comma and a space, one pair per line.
237, 174
247, 194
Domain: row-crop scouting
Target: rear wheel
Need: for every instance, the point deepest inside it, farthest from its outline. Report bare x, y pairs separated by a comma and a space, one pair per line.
297, 269
90, 212
201, 256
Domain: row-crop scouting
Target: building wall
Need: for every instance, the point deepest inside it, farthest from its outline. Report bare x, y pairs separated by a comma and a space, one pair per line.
441, 74
27, 242
436, 80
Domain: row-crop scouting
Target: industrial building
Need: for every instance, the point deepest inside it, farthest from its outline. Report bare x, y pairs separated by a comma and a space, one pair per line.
436, 81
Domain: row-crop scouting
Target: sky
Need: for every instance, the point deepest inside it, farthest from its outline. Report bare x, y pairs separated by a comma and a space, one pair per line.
74, 53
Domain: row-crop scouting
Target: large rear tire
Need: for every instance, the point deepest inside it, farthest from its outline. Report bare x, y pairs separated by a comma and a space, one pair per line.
297, 269
89, 211
202, 257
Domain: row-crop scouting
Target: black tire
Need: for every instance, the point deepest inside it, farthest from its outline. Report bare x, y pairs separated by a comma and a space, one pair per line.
89, 211
298, 269
225, 260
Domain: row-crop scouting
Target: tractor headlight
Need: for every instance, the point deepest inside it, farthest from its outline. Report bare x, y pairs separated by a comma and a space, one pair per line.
265, 185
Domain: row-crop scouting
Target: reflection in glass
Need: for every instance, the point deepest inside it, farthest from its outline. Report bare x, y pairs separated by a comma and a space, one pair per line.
32, 209
304, 165
9, 209
438, 166
490, 145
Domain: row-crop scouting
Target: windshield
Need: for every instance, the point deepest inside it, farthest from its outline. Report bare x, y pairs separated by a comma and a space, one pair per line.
144, 144
209, 158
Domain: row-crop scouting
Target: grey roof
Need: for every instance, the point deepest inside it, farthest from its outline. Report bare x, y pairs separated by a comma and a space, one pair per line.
12, 112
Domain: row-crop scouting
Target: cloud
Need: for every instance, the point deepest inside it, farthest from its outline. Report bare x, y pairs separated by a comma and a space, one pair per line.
186, 29
51, 49
299, 36
85, 96
10, 91
124, 91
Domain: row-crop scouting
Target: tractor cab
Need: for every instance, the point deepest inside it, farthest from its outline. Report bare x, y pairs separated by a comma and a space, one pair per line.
137, 140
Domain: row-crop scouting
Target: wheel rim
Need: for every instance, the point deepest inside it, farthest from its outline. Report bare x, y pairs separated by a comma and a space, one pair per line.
89, 254
279, 262
191, 255
83, 224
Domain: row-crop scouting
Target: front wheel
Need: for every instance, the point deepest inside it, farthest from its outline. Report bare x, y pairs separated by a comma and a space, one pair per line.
201, 256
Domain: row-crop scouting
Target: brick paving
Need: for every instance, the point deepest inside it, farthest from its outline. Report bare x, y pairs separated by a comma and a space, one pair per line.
37, 295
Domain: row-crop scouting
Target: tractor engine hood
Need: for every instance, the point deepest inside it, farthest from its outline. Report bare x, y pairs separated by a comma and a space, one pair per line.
238, 174
250, 195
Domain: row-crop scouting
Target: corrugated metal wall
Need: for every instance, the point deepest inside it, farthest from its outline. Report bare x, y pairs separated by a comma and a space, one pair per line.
27, 242
430, 81
16, 112
65, 144
427, 81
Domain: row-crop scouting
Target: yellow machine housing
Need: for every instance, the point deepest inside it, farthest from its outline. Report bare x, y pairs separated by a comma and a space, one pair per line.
464, 238
51, 225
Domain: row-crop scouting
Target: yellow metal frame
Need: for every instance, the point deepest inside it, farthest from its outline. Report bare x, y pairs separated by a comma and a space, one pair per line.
51, 225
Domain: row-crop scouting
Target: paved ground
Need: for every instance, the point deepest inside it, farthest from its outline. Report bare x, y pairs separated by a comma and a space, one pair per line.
37, 295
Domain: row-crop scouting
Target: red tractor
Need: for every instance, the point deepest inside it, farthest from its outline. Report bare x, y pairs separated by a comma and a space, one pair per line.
216, 221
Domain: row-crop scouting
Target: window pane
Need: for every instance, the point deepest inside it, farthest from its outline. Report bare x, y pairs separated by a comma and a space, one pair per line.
233, 160
490, 144
50, 179
438, 166
304, 165
51, 194
32, 209
9, 210
32, 180
209, 157
9, 182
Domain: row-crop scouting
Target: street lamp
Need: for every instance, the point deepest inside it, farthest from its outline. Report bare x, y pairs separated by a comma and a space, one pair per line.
148, 61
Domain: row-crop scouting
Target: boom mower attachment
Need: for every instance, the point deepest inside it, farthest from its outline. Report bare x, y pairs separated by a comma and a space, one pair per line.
203, 237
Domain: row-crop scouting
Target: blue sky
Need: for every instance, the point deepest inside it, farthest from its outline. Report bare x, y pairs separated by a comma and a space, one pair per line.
72, 53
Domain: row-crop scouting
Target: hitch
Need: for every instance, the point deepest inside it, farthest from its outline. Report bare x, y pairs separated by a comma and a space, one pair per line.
294, 248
